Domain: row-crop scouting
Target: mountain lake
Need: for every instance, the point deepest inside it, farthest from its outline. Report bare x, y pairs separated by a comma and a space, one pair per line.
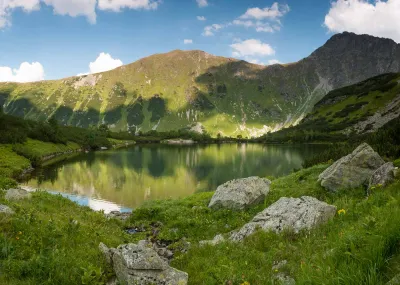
123, 179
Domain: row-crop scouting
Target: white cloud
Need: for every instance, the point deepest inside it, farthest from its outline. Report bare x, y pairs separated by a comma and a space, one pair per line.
117, 5
6, 7
265, 20
274, 61
381, 18
187, 41
274, 12
251, 47
258, 25
201, 18
210, 30
104, 62
73, 8
202, 3
27, 72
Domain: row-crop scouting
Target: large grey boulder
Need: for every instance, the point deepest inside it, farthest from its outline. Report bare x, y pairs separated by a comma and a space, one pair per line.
6, 210
353, 170
383, 176
239, 194
288, 214
139, 264
17, 194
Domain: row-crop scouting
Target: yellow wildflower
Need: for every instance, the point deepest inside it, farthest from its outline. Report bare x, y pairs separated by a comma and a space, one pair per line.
342, 212
245, 283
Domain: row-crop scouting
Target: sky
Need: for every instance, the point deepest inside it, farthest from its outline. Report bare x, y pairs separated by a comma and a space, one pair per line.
52, 39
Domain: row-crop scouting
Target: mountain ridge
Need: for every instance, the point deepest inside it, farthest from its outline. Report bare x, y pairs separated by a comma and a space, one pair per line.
180, 89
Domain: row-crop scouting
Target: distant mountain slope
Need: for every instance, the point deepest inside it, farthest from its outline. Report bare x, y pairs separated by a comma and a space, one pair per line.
361, 108
188, 88
356, 109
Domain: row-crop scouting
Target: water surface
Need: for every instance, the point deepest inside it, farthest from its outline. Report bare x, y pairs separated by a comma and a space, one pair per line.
124, 179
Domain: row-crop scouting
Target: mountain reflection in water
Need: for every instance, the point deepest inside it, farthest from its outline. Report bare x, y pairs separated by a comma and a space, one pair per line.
126, 178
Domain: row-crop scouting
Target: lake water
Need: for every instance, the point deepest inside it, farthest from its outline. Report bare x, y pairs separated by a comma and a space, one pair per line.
125, 178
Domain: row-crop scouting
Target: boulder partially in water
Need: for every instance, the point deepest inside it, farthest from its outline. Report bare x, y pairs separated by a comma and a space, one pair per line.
293, 214
353, 170
139, 264
239, 194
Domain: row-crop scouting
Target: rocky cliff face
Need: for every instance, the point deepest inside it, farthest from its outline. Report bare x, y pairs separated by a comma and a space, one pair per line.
187, 88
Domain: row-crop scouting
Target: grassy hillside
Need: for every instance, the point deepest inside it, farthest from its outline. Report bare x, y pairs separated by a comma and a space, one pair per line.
178, 89
347, 113
51, 240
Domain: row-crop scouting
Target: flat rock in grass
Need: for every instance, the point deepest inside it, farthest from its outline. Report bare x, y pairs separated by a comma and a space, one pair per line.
217, 240
6, 210
139, 264
239, 194
383, 176
17, 194
353, 170
293, 214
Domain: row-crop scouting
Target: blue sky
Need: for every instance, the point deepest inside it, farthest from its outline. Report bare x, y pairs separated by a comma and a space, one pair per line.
64, 39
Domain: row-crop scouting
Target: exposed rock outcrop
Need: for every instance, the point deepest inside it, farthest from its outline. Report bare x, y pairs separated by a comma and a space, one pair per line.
138, 264
288, 214
353, 170
17, 194
6, 210
383, 176
239, 194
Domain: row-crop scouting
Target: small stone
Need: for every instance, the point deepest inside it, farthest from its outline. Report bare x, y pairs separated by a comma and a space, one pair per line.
6, 210
279, 265
118, 215
217, 240
17, 194
284, 279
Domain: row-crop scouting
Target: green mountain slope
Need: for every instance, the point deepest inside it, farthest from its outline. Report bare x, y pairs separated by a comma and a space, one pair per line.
356, 109
194, 89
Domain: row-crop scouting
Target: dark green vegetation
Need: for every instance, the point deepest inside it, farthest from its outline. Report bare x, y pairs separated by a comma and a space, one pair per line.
386, 141
170, 91
13, 130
